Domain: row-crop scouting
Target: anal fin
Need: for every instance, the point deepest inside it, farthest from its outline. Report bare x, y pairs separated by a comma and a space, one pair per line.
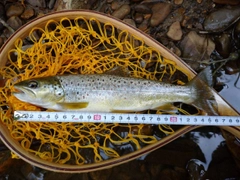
73, 106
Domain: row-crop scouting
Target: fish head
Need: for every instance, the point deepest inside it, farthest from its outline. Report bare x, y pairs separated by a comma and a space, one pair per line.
42, 92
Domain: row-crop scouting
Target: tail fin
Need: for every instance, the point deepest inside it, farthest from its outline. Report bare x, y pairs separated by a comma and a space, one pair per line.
205, 98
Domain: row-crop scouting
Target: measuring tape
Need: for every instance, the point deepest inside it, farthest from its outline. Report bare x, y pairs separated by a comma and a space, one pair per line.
85, 117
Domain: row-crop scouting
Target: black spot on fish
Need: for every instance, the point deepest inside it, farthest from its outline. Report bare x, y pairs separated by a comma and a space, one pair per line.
59, 94
77, 92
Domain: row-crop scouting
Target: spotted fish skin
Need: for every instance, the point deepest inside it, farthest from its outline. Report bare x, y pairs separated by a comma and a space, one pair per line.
102, 93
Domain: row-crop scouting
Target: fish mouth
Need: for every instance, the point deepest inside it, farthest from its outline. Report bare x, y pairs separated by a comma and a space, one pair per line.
22, 91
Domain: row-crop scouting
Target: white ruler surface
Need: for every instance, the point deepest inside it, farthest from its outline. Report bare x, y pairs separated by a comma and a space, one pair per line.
85, 117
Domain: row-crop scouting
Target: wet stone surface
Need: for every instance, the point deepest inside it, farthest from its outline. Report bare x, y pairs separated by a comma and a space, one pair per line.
201, 32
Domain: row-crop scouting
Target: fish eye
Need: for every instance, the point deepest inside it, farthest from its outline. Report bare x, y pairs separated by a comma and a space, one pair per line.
33, 84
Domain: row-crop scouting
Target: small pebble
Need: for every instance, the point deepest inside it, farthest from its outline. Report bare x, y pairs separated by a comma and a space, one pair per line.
123, 11
175, 31
141, 8
37, 3
116, 5
144, 25
130, 21
138, 18
159, 12
51, 4
28, 13
174, 49
15, 9
178, 2
14, 22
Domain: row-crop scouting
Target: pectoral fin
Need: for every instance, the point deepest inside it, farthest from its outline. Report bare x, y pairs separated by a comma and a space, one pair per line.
73, 106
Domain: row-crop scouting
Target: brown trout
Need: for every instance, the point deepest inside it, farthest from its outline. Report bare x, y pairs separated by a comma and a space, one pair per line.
111, 93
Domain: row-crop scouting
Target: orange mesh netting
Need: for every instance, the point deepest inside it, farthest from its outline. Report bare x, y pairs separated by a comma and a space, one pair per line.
81, 46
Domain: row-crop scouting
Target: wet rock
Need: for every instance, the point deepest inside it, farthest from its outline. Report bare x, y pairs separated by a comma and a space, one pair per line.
223, 45
138, 18
195, 169
58, 176
159, 12
141, 8
221, 19
28, 13
51, 4
130, 170
15, 9
176, 153
103, 174
82, 176
222, 165
175, 31
230, 2
233, 144
196, 48
123, 11
14, 22
178, 2
155, 169
36, 3
169, 174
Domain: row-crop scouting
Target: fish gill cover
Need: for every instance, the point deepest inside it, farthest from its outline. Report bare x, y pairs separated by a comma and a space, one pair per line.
82, 46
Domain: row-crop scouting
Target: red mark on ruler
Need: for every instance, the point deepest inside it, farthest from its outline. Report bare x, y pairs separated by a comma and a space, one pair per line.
173, 119
97, 117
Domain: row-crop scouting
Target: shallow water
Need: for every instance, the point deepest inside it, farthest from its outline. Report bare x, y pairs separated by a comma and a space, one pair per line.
230, 92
